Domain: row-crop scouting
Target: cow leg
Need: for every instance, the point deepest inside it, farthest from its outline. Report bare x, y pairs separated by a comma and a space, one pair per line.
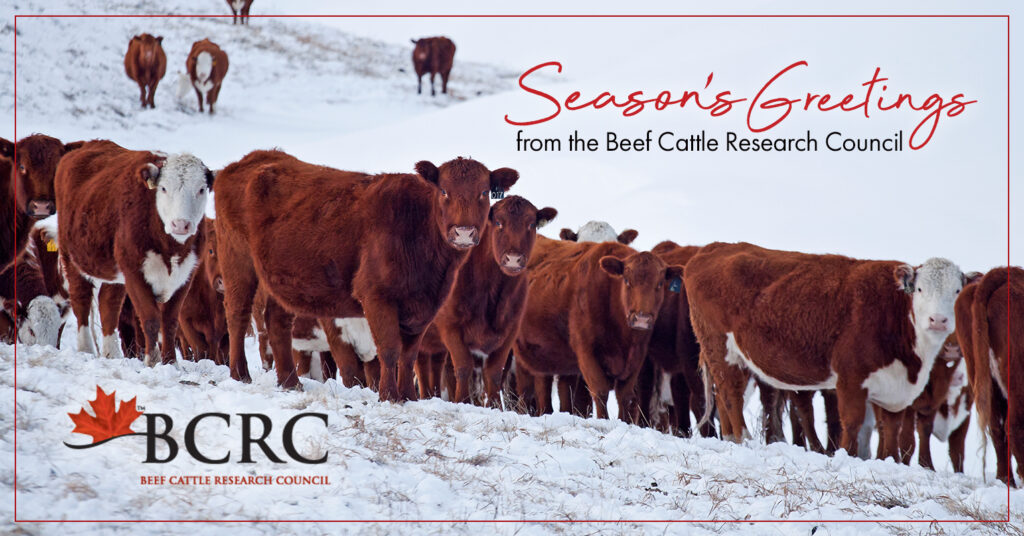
423, 379
1015, 425
432, 93
494, 371
279, 327
597, 382
648, 394
193, 343
407, 365
240, 285
142, 94
803, 402
302, 361
832, 420
211, 97
905, 439
444, 82
997, 432
852, 406
795, 423
383, 320
80, 296
680, 405
698, 404
350, 368
419, 84
152, 92
169, 325
581, 404
462, 361
371, 374
956, 445
542, 392
110, 299
890, 430
436, 371
245, 15
199, 97
924, 436
772, 401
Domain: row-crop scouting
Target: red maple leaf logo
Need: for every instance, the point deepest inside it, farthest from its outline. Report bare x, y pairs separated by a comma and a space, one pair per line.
107, 423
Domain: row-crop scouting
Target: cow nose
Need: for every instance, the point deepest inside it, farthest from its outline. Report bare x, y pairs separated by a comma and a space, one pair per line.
641, 320
512, 261
41, 209
938, 323
181, 227
464, 236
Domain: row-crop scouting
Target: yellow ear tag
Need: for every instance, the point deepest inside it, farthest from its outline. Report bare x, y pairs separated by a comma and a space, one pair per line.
51, 246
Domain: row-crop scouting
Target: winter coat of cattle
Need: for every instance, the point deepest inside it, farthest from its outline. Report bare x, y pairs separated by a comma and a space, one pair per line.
145, 63
433, 55
130, 220
590, 311
335, 244
239, 11
202, 320
869, 329
990, 328
206, 65
481, 316
38, 317
27, 178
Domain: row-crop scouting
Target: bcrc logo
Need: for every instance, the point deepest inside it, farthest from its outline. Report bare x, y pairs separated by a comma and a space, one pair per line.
110, 421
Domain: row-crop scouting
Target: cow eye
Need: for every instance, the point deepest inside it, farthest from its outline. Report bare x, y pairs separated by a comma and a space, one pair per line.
21, 168
533, 226
202, 190
444, 193
483, 193
919, 289
162, 189
211, 251
500, 225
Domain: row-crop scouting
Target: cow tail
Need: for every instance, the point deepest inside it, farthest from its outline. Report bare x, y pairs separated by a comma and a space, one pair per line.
981, 384
709, 403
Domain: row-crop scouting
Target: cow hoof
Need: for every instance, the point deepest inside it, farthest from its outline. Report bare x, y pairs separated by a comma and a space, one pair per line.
150, 361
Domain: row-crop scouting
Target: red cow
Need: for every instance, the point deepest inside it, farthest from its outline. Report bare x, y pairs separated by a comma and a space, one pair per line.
239, 11
27, 177
206, 65
145, 63
387, 250
480, 318
989, 316
944, 408
590, 312
870, 329
131, 220
203, 323
432, 55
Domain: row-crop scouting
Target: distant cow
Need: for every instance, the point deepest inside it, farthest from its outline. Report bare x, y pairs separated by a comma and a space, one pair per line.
207, 65
598, 231
131, 220
480, 319
432, 55
386, 248
201, 318
590, 311
27, 177
870, 329
990, 329
38, 317
145, 63
240, 11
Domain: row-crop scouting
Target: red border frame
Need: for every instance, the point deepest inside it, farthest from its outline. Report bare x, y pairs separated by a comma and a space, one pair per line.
1009, 451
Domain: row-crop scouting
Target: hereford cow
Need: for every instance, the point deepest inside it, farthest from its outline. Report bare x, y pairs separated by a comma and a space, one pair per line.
239, 11
145, 63
598, 231
590, 312
38, 317
386, 248
27, 176
432, 55
44, 240
989, 327
201, 318
944, 408
869, 329
480, 319
131, 220
206, 65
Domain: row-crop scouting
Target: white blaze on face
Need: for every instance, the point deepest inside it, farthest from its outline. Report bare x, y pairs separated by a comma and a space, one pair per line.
937, 283
181, 195
42, 324
597, 231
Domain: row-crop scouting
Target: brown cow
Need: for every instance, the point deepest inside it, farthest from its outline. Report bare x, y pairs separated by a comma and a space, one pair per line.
203, 323
989, 316
38, 317
481, 317
870, 329
27, 178
590, 312
206, 65
130, 220
387, 249
239, 11
145, 63
432, 55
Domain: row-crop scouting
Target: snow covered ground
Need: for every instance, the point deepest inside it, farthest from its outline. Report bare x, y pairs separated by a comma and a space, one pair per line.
340, 92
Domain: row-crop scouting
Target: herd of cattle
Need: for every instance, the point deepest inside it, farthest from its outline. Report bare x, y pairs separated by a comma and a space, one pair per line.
415, 285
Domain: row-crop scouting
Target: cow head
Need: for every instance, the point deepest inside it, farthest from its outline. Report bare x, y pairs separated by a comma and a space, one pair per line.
209, 256
35, 163
933, 288
643, 281
40, 322
462, 188
598, 231
513, 224
422, 50
182, 185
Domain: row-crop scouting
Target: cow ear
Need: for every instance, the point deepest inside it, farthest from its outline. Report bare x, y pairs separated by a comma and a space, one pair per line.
149, 173
428, 171
73, 145
905, 275
612, 265
209, 178
628, 236
413, 41
160, 39
673, 272
502, 179
567, 234
6, 148
545, 215
971, 277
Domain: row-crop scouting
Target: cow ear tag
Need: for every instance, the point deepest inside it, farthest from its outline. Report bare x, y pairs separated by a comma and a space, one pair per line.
497, 193
676, 285
51, 246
